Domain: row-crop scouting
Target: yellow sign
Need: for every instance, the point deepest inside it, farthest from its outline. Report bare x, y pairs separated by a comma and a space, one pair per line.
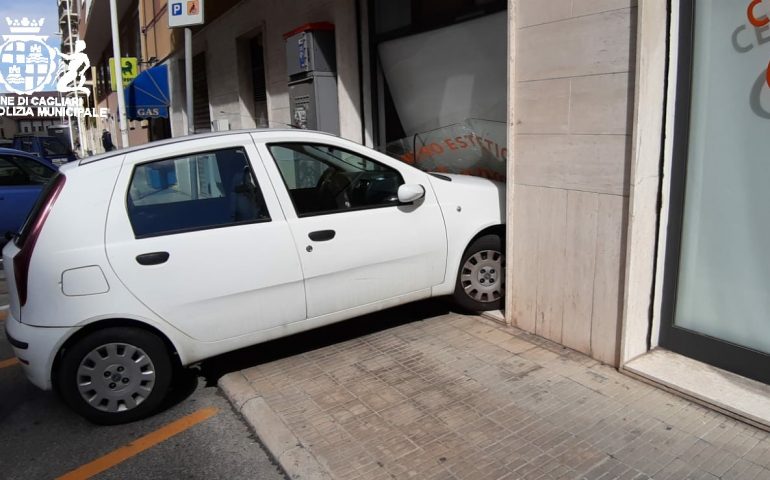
129, 68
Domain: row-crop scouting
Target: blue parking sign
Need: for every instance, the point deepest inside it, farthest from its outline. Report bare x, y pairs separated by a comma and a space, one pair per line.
176, 9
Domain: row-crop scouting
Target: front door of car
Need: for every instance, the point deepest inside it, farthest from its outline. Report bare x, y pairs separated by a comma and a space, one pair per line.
358, 246
194, 234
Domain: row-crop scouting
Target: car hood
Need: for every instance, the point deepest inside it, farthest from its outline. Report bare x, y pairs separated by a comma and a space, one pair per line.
474, 192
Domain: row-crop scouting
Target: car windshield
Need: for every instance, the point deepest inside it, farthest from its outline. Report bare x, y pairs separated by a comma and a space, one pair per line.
54, 146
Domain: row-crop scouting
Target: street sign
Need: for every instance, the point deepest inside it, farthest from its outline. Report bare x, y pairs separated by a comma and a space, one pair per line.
129, 68
185, 13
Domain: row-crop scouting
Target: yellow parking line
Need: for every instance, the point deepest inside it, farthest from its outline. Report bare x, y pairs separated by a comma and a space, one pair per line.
9, 363
139, 445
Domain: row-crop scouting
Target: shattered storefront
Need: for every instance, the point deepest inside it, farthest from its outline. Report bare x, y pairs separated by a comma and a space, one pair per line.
440, 88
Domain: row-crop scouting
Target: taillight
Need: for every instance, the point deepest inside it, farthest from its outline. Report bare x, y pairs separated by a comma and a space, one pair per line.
30, 232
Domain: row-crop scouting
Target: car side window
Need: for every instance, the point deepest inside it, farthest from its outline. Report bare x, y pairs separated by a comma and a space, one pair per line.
322, 179
38, 174
195, 192
11, 175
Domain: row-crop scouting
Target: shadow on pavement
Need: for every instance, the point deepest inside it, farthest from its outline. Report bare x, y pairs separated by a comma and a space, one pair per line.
214, 368
184, 384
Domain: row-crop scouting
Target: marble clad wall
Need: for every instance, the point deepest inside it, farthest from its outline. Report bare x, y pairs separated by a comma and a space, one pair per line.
572, 149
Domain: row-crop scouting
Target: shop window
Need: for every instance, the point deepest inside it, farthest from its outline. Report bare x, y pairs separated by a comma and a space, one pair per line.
716, 305
201, 112
259, 88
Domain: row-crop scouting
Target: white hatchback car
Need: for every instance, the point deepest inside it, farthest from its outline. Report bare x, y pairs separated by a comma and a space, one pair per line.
144, 259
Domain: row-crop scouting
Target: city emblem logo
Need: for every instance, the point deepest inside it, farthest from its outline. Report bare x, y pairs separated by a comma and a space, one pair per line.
28, 64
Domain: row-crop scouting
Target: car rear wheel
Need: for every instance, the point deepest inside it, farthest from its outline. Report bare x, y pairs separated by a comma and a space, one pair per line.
115, 375
480, 279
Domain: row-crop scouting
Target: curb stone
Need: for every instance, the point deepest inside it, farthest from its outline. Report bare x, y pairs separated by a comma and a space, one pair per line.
294, 458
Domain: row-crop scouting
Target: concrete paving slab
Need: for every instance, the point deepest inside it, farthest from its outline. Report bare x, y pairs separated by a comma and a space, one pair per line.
745, 399
455, 397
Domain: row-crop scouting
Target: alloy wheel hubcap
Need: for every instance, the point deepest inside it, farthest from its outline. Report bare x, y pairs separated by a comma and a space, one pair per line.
115, 377
482, 276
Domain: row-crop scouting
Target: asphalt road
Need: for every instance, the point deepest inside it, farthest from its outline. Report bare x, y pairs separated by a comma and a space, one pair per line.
40, 438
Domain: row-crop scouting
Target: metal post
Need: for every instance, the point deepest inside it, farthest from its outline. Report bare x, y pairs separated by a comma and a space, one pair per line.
99, 124
122, 119
188, 73
69, 40
77, 96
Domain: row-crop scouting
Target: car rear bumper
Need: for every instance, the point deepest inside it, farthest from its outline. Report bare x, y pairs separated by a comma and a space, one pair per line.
36, 348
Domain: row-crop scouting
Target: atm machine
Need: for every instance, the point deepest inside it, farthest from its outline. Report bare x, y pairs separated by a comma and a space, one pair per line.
312, 68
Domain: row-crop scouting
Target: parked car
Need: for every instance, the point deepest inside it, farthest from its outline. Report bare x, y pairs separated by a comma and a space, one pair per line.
137, 261
47, 147
22, 178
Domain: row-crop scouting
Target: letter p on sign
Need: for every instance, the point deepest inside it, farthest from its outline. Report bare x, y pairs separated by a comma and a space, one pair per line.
176, 9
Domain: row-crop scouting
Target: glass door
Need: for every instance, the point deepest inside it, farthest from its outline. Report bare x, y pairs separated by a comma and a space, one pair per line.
716, 304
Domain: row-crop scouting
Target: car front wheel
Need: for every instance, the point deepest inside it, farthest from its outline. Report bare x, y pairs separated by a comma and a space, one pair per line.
115, 375
480, 280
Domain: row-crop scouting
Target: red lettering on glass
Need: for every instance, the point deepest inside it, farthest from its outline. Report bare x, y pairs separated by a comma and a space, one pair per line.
757, 22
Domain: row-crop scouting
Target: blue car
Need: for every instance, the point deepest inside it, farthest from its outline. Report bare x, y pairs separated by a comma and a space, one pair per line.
22, 178
49, 148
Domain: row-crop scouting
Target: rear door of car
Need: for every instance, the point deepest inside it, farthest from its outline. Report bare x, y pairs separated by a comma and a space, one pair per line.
195, 235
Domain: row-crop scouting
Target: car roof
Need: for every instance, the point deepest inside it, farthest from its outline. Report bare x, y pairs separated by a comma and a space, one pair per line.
197, 136
13, 151
21, 153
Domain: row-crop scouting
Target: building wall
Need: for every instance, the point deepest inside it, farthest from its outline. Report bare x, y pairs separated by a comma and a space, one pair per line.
137, 130
573, 98
223, 41
642, 293
158, 40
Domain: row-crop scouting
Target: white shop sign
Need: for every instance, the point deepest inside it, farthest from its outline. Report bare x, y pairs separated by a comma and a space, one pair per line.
185, 13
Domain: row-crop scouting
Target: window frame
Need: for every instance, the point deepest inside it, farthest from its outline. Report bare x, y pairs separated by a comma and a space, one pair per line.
136, 166
269, 145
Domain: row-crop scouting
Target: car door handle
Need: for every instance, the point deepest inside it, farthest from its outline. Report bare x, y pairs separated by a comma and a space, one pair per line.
321, 235
154, 258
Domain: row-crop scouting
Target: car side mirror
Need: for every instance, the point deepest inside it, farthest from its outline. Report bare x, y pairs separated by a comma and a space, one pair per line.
410, 193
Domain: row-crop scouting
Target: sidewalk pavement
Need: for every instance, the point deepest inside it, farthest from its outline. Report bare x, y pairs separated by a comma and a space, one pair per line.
461, 397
